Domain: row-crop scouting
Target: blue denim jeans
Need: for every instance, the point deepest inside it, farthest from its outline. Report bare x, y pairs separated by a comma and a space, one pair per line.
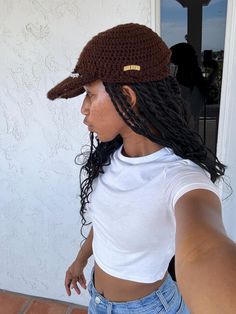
167, 299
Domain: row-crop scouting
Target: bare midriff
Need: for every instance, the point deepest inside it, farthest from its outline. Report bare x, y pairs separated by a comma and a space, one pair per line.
119, 290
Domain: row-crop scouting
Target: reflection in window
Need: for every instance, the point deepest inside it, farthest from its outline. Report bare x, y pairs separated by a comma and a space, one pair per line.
195, 30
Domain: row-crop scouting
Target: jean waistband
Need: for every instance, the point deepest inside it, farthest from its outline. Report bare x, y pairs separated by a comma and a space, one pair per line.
167, 284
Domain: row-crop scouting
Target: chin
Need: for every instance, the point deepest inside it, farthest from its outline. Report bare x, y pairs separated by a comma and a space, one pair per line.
104, 139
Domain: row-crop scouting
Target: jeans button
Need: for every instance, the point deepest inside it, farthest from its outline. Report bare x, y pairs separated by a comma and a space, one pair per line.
97, 300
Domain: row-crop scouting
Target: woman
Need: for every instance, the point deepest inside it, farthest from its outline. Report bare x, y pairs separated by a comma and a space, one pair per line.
149, 184
193, 86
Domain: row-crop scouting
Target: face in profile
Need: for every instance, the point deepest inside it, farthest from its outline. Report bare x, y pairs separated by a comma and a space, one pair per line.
101, 116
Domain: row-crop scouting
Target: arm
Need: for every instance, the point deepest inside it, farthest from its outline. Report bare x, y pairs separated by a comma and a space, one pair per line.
75, 272
205, 257
86, 249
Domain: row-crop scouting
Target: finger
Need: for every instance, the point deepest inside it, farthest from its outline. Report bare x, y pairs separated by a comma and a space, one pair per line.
68, 287
68, 281
68, 278
77, 289
74, 286
84, 279
82, 282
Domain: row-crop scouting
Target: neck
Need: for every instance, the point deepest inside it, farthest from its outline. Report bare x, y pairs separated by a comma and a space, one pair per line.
139, 149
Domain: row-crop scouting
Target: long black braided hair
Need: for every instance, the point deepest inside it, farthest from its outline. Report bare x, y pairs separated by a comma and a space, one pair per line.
160, 106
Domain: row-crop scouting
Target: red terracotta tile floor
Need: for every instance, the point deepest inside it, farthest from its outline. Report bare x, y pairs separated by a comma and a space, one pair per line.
17, 303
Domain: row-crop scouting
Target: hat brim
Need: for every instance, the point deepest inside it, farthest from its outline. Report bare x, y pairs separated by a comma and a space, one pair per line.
68, 88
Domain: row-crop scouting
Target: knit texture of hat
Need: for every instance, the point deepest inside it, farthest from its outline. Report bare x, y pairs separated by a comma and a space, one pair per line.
126, 53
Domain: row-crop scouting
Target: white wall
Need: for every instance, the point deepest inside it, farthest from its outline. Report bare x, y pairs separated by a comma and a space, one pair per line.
226, 147
40, 221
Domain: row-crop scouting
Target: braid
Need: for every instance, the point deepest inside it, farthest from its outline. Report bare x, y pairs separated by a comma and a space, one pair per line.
160, 107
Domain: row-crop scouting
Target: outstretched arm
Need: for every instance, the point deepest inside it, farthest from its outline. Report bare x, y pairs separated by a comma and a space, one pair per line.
205, 259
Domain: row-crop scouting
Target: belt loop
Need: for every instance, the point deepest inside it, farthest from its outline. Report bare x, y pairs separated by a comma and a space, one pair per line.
163, 300
109, 308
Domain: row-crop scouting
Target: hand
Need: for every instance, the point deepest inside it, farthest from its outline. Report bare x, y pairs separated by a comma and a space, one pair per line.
73, 274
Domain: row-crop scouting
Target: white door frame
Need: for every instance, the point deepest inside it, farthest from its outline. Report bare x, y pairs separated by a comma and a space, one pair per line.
227, 101
226, 144
156, 16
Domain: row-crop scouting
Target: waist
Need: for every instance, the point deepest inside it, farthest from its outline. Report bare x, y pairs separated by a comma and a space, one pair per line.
119, 290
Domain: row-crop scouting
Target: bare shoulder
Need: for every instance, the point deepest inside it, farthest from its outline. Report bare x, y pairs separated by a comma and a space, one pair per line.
199, 224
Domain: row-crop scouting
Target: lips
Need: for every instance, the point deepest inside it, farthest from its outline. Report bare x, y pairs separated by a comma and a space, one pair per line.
90, 128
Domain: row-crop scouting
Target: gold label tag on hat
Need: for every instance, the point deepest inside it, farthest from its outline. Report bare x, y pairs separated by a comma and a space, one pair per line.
131, 67
74, 75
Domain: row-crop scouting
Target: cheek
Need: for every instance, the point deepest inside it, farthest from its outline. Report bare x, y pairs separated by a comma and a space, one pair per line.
108, 115
109, 125
115, 120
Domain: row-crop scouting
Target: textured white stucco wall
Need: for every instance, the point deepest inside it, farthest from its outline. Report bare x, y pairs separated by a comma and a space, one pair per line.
39, 182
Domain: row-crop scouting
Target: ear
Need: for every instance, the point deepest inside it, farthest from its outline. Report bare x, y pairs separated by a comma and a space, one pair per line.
131, 96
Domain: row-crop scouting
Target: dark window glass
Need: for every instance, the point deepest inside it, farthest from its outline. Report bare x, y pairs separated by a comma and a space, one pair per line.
195, 31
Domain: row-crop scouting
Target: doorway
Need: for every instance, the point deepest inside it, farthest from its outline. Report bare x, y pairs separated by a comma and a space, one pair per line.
201, 25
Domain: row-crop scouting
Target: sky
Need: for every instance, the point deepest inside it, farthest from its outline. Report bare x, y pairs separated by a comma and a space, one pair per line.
174, 23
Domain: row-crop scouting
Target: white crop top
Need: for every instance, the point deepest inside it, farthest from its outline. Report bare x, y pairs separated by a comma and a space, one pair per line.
132, 212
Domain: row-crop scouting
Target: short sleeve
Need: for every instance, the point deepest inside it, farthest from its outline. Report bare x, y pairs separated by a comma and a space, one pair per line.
187, 180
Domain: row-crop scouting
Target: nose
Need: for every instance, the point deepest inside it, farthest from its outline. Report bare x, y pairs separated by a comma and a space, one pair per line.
85, 107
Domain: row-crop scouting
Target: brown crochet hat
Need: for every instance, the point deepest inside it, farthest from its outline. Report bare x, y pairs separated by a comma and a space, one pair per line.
126, 53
